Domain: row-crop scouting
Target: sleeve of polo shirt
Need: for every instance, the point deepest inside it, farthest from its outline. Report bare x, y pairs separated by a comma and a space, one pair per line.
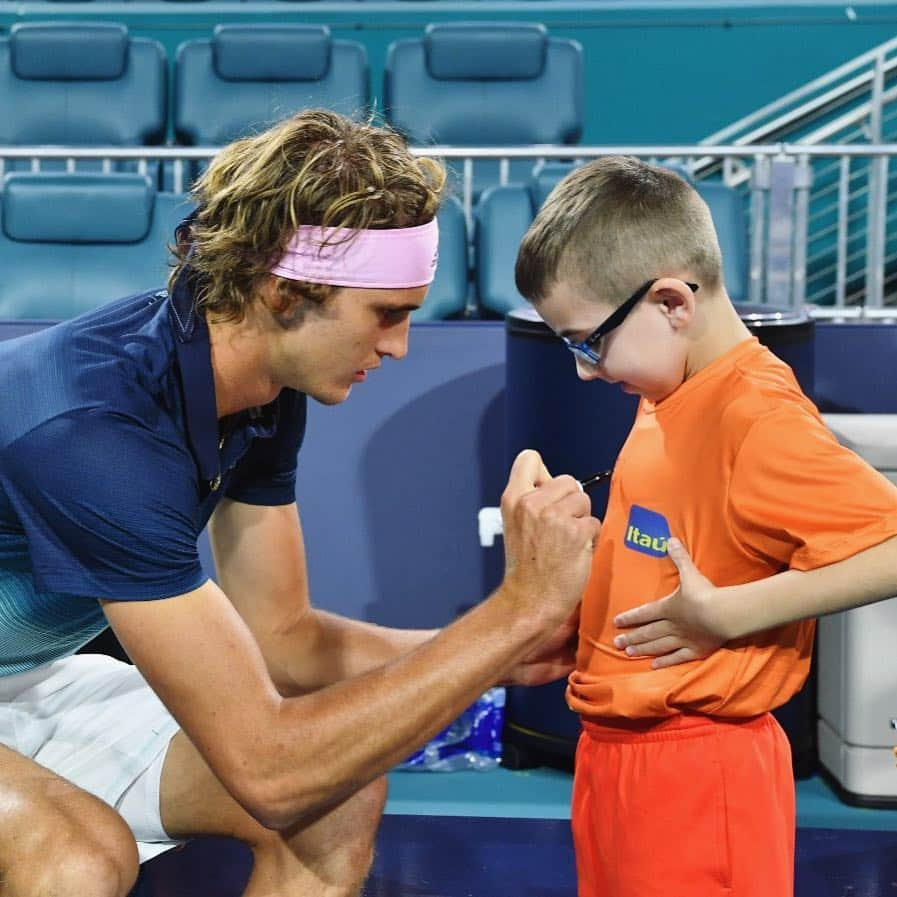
801, 498
266, 474
108, 506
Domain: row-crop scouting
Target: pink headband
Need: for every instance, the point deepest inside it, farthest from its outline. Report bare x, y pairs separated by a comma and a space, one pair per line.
394, 259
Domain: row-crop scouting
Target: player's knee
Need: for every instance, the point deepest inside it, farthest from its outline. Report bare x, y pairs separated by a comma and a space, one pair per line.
372, 801
71, 859
117, 852
94, 870
360, 832
65, 862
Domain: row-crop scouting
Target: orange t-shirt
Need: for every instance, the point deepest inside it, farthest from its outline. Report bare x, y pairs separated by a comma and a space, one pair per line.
738, 464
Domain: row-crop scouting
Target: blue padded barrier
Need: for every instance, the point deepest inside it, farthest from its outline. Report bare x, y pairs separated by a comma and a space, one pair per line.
505, 212
486, 84
245, 77
80, 84
447, 296
71, 242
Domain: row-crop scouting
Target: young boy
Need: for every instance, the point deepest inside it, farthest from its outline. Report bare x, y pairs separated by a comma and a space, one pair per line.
683, 778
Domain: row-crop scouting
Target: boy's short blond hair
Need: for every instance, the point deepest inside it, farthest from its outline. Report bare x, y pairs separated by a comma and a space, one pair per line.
614, 223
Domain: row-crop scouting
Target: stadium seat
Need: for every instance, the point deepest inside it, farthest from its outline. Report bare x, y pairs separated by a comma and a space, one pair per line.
72, 242
447, 296
486, 84
80, 84
246, 77
505, 212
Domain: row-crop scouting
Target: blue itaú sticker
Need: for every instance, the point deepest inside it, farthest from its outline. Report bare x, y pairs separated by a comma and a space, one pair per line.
647, 532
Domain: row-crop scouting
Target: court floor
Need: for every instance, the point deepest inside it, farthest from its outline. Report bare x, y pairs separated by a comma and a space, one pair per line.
506, 834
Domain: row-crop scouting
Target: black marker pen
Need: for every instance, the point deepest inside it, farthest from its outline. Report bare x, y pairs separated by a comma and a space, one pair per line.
594, 479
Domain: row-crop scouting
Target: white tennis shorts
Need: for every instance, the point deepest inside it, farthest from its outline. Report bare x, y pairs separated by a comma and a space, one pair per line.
94, 721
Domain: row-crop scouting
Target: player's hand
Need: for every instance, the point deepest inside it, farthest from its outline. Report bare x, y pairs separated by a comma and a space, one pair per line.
549, 536
683, 626
554, 659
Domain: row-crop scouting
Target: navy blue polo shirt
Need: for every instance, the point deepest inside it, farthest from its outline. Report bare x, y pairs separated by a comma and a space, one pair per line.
111, 463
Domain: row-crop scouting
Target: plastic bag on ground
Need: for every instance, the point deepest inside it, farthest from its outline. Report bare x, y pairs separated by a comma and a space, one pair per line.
472, 741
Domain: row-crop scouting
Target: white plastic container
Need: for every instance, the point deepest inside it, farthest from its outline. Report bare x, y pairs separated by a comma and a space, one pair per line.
857, 657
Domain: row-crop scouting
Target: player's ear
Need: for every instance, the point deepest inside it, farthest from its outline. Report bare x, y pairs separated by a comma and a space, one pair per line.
289, 301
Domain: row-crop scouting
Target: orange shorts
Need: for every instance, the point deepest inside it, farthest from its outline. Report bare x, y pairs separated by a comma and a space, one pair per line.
685, 807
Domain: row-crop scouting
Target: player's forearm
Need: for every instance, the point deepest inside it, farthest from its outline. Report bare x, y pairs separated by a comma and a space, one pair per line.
325, 648
868, 576
334, 741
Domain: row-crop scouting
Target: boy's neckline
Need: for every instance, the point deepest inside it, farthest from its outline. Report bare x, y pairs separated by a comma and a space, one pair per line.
720, 365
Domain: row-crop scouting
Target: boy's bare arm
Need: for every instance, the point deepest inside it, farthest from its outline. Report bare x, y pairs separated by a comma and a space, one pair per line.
698, 617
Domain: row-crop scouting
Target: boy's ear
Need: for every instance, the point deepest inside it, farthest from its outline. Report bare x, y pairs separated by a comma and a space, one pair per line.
675, 299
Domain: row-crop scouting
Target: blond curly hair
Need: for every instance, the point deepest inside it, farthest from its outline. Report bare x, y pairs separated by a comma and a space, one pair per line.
317, 168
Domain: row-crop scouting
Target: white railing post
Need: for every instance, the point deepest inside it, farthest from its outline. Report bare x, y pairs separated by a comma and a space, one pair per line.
467, 193
760, 180
841, 238
875, 231
780, 232
803, 181
178, 175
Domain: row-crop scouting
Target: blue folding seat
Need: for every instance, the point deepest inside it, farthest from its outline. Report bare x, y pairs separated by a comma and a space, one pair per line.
447, 296
505, 212
486, 84
245, 77
72, 242
80, 84
503, 215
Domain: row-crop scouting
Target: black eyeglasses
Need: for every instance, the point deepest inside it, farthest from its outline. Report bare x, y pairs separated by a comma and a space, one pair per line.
584, 352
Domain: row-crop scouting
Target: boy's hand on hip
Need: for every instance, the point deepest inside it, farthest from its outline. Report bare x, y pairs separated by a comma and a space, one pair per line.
683, 626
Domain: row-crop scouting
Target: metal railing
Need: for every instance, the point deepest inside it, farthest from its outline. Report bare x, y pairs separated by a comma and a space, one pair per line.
824, 109
853, 200
819, 216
